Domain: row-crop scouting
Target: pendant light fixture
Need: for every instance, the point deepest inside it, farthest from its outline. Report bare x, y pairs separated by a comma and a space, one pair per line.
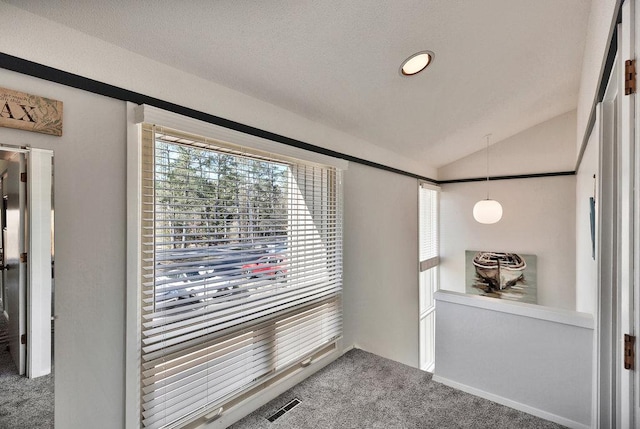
487, 211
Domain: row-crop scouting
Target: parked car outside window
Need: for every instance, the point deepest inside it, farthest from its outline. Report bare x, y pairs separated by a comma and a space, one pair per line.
269, 265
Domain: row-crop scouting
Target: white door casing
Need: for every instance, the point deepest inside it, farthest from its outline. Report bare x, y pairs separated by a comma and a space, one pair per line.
618, 238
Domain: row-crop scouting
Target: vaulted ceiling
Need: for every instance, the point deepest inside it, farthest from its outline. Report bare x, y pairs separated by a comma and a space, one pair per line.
501, 66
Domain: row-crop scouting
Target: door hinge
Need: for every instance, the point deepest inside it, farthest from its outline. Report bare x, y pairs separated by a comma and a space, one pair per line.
629, 352
23, 339
23, 177
23, 257
629, 77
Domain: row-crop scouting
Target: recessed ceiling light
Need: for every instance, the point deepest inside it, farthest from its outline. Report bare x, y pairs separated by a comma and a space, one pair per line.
416, 63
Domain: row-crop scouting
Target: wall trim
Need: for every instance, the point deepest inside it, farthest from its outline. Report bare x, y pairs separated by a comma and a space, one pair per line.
534, 311
224, 136
133, 273
51, 74
509, 177
510, 403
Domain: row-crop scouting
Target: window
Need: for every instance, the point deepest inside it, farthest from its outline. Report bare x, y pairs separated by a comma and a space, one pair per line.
429, 261
241, 271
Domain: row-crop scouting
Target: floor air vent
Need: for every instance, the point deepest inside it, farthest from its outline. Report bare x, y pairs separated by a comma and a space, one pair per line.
288, 407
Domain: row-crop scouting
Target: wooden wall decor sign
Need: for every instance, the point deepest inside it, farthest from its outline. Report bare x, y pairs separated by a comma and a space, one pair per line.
30, 112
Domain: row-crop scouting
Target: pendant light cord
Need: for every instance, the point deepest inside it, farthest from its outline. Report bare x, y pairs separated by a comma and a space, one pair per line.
487, 137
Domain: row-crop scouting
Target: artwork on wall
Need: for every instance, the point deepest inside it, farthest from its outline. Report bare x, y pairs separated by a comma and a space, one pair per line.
30, 112
592, 218
510, 276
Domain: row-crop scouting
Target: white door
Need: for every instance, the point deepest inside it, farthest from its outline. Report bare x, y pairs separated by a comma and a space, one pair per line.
39, 178
628, 228
15, 269
631, 46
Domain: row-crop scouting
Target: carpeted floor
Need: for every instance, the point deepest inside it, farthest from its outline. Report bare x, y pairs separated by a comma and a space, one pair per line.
24, 403
362, 390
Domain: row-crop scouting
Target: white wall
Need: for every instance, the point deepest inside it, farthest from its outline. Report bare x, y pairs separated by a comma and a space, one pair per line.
381, 263
90, 220
524, 153
75, 52
527, 357
538, 219
586, 266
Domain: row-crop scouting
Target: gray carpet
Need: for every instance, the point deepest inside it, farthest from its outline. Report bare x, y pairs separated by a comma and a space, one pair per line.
24, 403
362, 390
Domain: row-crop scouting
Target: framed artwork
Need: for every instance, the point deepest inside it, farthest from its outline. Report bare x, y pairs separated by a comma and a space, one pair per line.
502, 275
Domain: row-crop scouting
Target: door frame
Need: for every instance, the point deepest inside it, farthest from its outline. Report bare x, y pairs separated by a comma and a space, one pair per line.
36, 241
616, 389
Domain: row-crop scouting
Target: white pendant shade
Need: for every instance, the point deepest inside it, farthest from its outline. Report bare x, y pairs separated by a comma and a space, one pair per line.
487, 211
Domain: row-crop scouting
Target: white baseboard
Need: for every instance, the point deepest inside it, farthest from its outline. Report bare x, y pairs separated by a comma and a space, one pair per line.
351, 347
429, 368
512, 404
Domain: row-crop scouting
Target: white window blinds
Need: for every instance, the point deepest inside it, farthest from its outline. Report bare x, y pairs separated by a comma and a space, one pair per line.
428, 227
241, 270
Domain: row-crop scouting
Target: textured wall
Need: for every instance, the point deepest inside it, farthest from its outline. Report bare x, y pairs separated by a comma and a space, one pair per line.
381, 263
546, 147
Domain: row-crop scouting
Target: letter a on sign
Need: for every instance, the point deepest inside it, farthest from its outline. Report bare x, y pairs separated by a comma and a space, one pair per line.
30, 112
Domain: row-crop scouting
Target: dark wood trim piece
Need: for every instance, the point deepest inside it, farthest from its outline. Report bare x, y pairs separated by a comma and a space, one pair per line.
518, 176
20, 65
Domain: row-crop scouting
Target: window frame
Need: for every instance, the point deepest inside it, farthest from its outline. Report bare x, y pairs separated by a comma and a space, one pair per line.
136, 116
428, 272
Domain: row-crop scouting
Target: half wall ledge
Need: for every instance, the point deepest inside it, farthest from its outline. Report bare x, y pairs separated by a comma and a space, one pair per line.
535, 311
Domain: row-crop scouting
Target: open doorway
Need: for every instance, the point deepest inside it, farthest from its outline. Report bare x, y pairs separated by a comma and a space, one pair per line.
26, 288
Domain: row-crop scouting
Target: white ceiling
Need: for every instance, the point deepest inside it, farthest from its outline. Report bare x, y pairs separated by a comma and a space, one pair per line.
501, 66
